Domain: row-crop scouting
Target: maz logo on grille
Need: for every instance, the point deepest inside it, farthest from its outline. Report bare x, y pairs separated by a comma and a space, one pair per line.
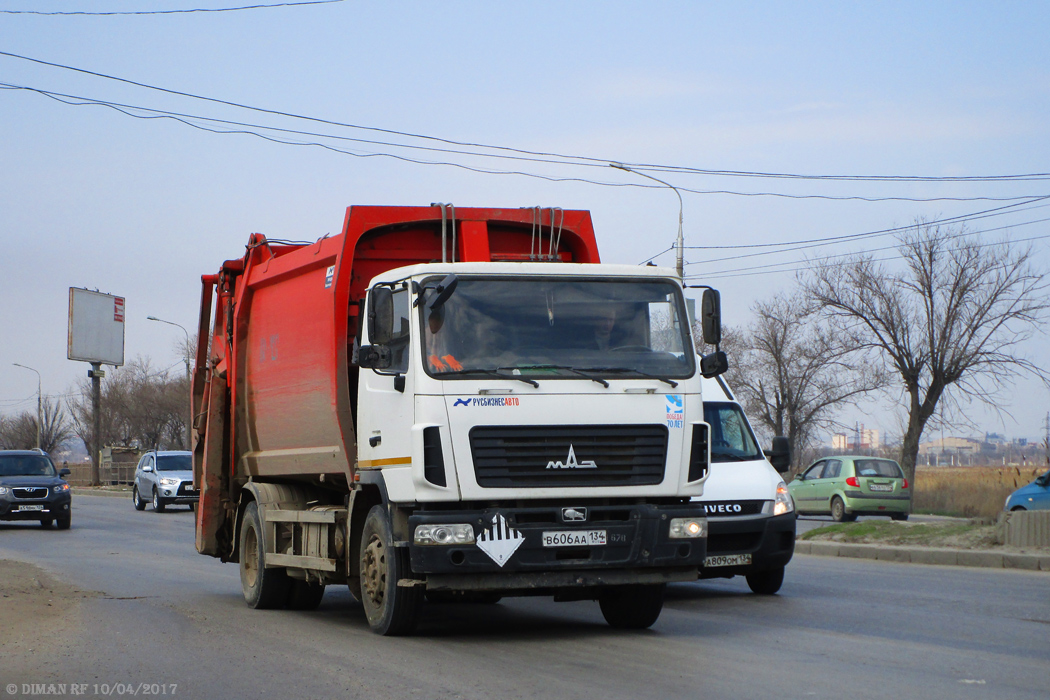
571, 462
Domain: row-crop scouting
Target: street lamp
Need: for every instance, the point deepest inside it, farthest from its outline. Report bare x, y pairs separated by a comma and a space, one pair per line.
189, 381
39, 415
679, 261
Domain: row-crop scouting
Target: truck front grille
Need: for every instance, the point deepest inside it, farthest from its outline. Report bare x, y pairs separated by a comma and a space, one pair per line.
568, 455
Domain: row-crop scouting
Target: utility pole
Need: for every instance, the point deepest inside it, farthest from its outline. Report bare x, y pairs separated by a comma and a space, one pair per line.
39, 413
96, 373
189, 380
1046, 438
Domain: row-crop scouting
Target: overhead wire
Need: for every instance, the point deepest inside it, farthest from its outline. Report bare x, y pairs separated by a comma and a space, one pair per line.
79, 100
172, 12
580, 160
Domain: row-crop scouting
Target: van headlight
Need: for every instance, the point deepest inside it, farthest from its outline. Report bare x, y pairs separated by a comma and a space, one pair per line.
784, 503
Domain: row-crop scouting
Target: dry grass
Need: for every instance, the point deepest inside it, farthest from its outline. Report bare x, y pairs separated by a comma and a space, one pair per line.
969, 492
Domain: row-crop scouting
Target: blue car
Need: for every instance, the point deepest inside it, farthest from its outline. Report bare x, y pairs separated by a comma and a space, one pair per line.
1035, 496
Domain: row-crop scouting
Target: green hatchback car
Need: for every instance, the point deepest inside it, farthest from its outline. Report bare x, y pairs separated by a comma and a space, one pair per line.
847, 486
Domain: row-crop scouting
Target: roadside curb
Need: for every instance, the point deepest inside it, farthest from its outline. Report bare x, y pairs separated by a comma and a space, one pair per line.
84, 491
941, 556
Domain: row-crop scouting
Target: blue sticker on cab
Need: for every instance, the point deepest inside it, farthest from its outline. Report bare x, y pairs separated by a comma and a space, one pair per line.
675, 411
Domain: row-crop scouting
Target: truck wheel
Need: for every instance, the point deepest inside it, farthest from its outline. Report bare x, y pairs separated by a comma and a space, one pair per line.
158, 502
304, 595
632, 607
136, 499
838, 510
391, 609
263, 588
766, 582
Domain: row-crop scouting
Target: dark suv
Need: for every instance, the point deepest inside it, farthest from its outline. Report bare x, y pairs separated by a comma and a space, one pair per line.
32, 489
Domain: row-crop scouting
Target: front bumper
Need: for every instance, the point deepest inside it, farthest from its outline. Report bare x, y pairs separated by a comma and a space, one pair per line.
770, 540
182, 494
637, 549
51, 507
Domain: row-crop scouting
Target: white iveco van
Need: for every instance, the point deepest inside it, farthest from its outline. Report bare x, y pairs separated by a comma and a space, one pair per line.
751, 516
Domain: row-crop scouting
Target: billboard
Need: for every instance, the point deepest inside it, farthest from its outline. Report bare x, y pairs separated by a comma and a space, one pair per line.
96, 327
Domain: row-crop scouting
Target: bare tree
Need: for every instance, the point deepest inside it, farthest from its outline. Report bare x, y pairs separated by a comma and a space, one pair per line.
790, 372
141, 407
19, 432
952, 321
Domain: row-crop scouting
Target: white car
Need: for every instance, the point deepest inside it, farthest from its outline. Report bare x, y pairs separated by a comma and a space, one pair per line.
164, 478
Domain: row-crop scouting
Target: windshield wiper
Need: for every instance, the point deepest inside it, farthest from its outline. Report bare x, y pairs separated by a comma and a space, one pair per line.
635, 371
493, 373
582, 373
729, 457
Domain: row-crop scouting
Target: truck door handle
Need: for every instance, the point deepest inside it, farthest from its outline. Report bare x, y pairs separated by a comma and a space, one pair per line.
375, 440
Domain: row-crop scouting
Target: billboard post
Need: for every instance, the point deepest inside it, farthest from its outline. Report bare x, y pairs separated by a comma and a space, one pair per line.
96, 335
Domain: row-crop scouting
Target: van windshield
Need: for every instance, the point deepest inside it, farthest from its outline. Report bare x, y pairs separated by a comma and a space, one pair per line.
731, 436
559, 328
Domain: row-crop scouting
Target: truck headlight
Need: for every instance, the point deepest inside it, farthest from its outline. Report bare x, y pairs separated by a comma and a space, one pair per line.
784, 502
168, 481
444, 533
60, 488
687, 528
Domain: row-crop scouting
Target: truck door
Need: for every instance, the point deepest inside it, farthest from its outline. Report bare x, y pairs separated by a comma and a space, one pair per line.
385, 403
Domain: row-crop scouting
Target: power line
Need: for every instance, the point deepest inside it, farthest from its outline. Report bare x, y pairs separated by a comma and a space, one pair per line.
754, 271
183, 117
580, 160
847, 238
173, 12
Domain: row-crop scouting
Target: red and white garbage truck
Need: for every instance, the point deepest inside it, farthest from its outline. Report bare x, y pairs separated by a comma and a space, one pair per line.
450, 404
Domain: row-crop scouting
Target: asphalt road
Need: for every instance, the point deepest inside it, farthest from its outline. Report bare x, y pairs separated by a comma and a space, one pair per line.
840, 628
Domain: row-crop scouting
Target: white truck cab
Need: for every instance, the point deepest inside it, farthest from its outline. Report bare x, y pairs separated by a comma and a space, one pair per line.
751, 516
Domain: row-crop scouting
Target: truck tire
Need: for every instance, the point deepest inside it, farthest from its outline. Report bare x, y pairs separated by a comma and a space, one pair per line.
391, 609
634, 607
304, 595
766, 582
158, 502
263, 588
136, 499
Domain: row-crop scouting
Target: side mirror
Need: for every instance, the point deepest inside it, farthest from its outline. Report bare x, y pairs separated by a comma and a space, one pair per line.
800, 476
714, 364
64, 472
373, 357
780, 454
711, 317
381, 315
148, 468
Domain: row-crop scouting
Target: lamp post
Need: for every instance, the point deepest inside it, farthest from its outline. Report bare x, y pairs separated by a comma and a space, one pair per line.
189, 381
679, 261
39, 415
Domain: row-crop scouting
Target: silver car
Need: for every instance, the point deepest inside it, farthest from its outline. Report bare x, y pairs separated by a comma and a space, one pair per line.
164, 478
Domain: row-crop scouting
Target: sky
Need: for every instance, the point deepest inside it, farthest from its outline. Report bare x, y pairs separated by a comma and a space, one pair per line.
141, 207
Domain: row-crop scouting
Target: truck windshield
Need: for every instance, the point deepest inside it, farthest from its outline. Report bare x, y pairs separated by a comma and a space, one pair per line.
559, 328
731, 436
